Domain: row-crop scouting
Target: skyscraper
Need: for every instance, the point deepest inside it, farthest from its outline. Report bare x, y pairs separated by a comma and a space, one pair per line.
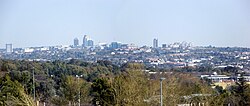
9, 48
85, 41
76, 42
164, 45
90, 43
115, 45
155, 43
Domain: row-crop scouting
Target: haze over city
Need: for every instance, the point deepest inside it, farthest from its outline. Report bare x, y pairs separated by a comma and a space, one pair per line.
125, 52
26, 23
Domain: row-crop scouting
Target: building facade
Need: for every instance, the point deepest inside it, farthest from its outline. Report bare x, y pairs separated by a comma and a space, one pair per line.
90, 43
76, 42
155, 43
85, 41
9, 48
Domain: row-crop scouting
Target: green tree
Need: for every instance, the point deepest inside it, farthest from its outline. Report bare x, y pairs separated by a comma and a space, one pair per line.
12, 93
70, 89
241, 90
131, 88
102, 92
185, 88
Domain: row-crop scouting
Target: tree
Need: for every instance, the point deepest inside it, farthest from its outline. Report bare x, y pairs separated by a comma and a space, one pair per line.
133, 66
241, 90
185, 88
102, 92
131, 88
12, 93
70, 89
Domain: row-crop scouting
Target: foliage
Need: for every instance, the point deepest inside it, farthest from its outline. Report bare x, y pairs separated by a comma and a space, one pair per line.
102, 92
107, 84
242, 91
131, 88
12, 93
72, 88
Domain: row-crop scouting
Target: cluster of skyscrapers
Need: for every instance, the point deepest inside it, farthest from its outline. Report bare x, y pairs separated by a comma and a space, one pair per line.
87, 42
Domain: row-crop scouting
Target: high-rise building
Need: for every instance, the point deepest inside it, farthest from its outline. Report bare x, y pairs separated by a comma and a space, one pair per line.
155, 43
85, 41
76, 42
115, 45
90, 43
9, 48
164, 45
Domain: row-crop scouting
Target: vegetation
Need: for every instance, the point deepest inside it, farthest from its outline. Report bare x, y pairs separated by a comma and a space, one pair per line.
103, 83
12, 93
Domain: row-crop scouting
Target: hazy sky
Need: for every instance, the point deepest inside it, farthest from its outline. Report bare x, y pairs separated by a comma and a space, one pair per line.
26, 23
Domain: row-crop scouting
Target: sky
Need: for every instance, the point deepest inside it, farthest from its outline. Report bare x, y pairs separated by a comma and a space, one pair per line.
30, 23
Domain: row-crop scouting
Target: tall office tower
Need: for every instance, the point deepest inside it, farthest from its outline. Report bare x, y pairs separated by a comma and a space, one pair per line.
115, 45
85, 41
90, 43
9, 48
164, 45
76, 42
155, 43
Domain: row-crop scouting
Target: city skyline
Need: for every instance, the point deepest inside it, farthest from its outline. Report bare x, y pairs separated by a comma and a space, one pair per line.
88, 42
28, 23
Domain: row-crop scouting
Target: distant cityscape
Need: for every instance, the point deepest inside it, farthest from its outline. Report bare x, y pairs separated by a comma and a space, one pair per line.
178, 54
207, 61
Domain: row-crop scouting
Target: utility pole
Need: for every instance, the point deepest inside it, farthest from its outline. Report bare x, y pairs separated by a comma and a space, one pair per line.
161, 79
79, 93
34, 88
